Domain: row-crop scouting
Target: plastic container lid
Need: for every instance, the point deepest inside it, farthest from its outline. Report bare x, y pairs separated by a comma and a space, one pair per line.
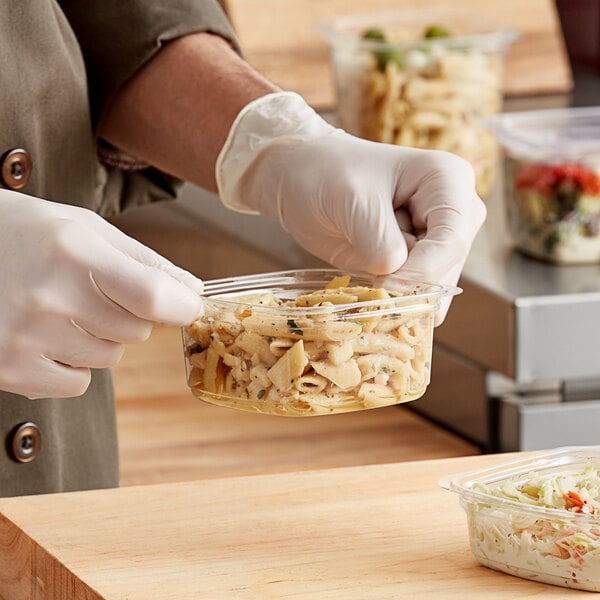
556, 135
468, 31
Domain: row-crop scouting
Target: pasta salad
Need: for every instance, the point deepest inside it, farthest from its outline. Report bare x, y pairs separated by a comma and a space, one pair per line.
424, 92
337, 349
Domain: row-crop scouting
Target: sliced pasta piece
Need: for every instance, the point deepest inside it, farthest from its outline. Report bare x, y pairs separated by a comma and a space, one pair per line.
339, 353
338, 282
346, 375
213, 374
289, 367
337, 296
382, 343
311, 383
373, 395
252, 343
371, 365
278, 346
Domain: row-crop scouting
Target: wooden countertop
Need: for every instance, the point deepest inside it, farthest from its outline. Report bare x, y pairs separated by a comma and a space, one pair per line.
369, 532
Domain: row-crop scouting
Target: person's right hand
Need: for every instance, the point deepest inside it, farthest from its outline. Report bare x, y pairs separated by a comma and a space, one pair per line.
73, 291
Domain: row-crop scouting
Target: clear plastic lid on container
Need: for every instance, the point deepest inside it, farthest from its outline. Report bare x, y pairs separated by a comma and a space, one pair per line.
555, 135
467, 30
411, 295
552, 461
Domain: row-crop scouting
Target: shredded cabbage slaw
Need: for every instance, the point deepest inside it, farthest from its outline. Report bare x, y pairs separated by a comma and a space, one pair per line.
558, 544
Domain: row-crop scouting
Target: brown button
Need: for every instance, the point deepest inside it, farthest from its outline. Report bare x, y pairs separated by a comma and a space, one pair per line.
26, 442
16, 168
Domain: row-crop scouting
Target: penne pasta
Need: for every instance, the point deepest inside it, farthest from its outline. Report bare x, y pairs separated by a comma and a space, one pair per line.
318, 362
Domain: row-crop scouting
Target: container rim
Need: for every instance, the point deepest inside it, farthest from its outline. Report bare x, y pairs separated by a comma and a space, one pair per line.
494, 35
217, 291
516, 132
461, 483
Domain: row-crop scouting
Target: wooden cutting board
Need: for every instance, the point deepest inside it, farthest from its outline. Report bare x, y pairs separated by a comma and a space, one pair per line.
360, 533
280, 39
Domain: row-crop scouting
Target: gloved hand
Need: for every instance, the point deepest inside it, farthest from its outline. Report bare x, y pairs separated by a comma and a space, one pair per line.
359, 205
73, 291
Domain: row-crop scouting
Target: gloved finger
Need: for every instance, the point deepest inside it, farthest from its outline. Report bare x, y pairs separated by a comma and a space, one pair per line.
67, 343
443, 247
405, 224
52, 380
145, 290
147, 256
447, 276
109, 321
377, 259
353, 249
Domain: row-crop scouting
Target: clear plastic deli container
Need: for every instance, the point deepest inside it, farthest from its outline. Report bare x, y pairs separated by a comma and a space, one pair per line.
552, 182
538, 517
425, 79
312, 342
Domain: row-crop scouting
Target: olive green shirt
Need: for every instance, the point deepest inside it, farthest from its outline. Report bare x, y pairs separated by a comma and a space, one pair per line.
60, 62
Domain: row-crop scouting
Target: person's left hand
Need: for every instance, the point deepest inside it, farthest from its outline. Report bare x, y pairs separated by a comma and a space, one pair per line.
359, 205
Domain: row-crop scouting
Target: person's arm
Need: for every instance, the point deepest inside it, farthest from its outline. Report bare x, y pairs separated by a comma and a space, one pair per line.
176, 112
199, 112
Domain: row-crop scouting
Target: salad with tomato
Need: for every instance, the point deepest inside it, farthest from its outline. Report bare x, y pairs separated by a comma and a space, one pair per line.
554, 209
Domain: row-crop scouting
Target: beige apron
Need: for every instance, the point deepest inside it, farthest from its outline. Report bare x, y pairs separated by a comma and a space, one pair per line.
60, 62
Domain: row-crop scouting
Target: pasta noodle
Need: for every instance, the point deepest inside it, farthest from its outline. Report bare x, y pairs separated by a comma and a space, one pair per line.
435, 97
318, 353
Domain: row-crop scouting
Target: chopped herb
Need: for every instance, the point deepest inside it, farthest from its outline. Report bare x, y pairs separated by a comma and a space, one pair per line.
270, 339
294, 328
247, 392
195, 349
260, 394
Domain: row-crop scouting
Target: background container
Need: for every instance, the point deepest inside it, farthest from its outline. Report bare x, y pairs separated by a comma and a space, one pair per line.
285, 343
552, 182
425, 79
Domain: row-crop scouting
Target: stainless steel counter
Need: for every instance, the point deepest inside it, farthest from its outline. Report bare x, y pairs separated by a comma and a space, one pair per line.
517, 363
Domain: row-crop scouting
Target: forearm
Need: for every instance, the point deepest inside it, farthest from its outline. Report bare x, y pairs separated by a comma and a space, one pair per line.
176, 112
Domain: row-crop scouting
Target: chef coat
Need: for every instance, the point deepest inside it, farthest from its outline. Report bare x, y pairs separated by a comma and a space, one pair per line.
61, 61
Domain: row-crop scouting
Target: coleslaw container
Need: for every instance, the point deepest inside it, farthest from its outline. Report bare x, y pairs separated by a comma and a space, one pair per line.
423, 78
552, 182
538, 517
312, 342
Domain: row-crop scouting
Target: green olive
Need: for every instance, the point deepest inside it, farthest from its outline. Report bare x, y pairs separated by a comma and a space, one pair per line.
385, 55
374, 34
436, 31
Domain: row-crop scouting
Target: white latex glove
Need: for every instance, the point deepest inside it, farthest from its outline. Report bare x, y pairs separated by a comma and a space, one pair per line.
73, 291
359, 205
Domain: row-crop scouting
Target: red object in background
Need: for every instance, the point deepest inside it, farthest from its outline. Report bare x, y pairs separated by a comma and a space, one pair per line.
548, 178
580, 21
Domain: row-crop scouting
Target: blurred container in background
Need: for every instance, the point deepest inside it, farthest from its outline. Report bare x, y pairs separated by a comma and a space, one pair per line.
552, 182
424, 79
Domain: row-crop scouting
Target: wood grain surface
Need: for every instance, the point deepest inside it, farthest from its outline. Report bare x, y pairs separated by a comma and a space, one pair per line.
369, 532
280, 39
